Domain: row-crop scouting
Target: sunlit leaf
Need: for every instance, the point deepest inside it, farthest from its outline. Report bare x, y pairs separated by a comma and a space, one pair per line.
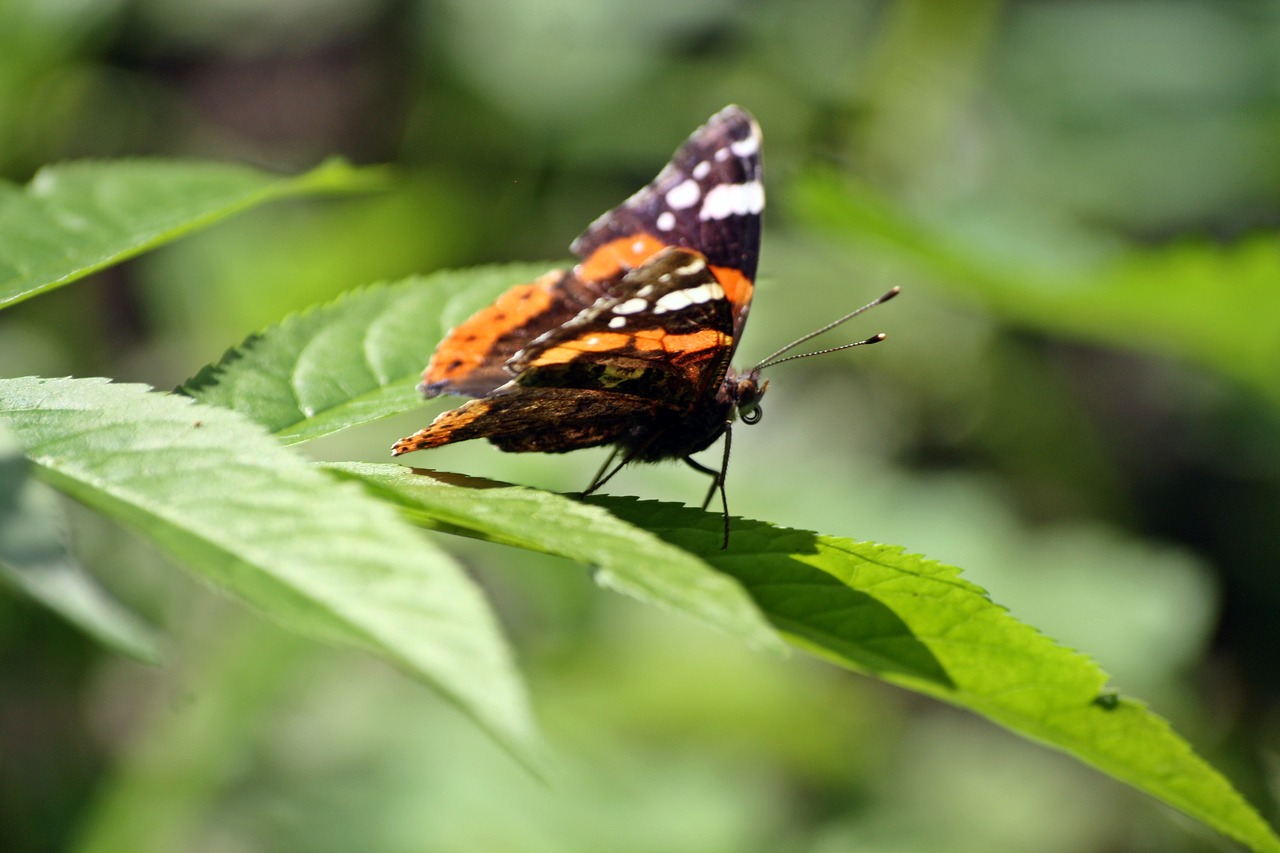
627, 558
76, 218
354, 360
901, 618
360, 358
319, 556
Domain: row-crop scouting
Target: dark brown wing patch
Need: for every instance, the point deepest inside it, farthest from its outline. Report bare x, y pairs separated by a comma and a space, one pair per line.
542, 420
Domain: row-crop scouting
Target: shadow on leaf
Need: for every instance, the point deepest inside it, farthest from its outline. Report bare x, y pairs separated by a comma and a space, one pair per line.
794, 577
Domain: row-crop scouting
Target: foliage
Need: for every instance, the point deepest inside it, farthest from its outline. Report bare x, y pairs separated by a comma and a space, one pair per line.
1077, 404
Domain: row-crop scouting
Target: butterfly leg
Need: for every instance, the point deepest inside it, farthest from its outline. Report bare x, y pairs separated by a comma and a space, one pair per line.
717, 480
599, 479
710, 472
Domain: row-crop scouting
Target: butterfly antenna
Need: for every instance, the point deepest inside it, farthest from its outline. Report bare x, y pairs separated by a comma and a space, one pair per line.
874, 339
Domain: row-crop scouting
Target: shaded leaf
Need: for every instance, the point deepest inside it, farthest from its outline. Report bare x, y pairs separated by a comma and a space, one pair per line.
899, 617
320, 557
36, 558
919, 624
1202, 302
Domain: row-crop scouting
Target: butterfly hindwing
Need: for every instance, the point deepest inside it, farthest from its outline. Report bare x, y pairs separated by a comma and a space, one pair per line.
542, 420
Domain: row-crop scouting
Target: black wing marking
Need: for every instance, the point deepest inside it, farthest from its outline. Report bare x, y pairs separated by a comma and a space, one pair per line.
709, 198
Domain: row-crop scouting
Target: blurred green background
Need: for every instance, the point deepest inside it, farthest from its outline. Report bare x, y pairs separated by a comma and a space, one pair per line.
1077, 404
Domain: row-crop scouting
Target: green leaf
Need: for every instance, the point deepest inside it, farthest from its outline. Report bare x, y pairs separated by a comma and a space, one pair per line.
353, 360
318, 556
1202, 302
36, 558
918, 624
629, 559
76, 218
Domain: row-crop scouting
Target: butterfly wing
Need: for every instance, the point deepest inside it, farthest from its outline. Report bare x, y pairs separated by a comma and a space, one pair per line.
539, 420
709, 198
626, 369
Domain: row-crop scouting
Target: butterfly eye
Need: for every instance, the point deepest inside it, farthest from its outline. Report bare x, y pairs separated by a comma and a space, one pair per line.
752, 415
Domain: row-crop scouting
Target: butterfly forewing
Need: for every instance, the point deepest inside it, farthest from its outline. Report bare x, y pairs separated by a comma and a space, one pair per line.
472, 359
709, 198
666, 335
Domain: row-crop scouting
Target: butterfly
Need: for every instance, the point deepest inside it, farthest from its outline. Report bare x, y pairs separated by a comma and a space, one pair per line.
632, 346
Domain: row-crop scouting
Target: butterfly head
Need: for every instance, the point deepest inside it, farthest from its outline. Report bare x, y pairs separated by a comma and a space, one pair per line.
742, 392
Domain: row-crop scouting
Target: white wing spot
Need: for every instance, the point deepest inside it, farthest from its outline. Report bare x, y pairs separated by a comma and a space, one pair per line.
617, 322
637, 247
678, 299
694, 266
634, 305
722, 155
701, 170
746, 147
725, 200
684, 194
673, 301
666, 220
